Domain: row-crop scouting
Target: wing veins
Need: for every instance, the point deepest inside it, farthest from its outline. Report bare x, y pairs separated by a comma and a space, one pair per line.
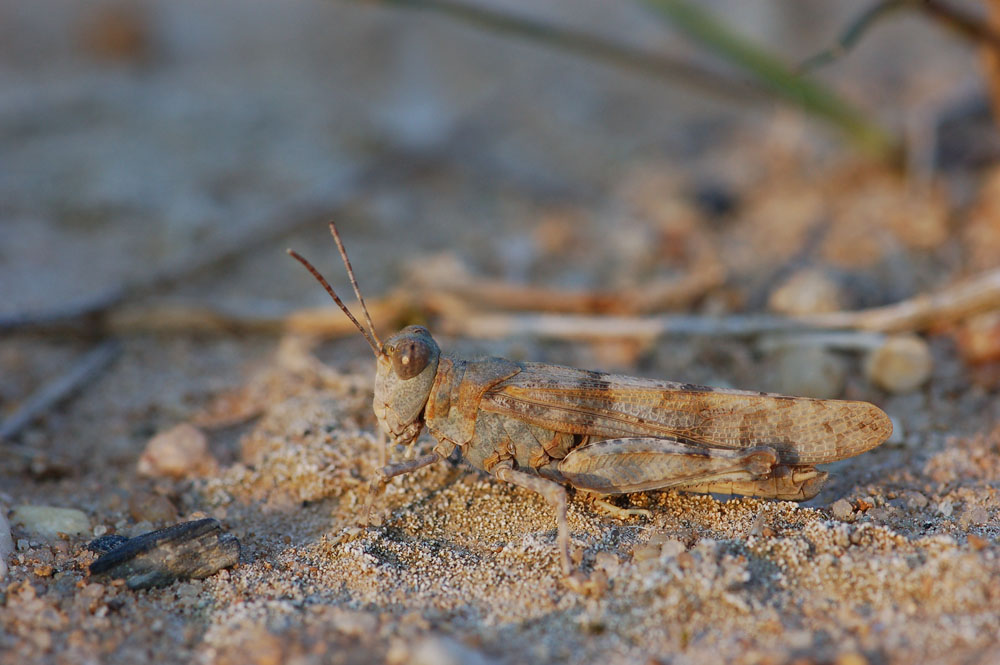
645, 426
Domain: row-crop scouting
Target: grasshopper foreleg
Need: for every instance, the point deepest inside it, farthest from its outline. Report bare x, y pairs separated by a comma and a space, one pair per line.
383, 475
552, 492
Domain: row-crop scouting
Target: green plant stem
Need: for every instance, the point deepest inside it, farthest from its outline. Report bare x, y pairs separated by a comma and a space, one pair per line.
771, 72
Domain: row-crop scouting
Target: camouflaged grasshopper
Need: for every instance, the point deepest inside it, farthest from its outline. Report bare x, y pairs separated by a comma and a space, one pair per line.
542, 426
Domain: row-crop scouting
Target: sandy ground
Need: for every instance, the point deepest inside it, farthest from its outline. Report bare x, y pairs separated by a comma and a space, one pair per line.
146, 138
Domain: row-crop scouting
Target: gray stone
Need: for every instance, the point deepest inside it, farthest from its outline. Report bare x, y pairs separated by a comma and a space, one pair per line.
6, 545
842, 509
807, 371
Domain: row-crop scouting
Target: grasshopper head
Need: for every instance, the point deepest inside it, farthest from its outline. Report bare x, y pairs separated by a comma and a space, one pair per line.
403, 378
405, 365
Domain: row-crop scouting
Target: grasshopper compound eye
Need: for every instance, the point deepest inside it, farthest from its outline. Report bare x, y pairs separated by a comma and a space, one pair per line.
409, 358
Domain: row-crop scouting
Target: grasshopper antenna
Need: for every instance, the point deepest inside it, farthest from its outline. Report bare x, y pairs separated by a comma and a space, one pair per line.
354, 282
329, 289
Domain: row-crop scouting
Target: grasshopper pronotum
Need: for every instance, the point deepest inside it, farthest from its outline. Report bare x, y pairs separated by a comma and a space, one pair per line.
543, 426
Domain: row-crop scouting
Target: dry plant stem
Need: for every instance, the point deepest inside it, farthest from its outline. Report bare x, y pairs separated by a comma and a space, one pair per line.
771, 77
972, 296
770, 71
964, 23
969, 26
853, 33
458, 317
978, 294
652, 296
179, 317
52, 393
593, 47
91, 313
991, 58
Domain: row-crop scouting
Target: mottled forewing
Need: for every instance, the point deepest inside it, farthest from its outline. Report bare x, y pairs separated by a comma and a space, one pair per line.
802, 430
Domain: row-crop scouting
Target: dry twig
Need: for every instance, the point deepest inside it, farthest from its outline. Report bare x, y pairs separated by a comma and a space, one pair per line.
922, 312
57, 390
90, 314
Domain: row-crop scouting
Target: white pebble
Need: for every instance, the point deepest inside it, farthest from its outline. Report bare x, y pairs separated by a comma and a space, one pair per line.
6, 544
445, 651
900, 365
897, 438
808, 291
49, 521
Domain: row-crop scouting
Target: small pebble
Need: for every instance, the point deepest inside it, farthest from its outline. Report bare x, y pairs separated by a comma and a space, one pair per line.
151, 507
842, 509
808, 291
645, 552
49, 521
353, 623
608, 562
882, 514
973, 516
851, 658
672, 548
179, 452
445, 651
900, 365
807, 371
946, 508
978, 338
914, 499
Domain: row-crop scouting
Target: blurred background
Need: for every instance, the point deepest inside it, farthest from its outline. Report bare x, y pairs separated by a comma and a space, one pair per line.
506, 158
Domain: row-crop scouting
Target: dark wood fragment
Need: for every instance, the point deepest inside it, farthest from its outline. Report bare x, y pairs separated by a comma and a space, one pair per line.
158, 558
106, 543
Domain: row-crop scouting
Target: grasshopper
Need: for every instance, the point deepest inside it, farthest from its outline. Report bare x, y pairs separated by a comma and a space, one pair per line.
542, 426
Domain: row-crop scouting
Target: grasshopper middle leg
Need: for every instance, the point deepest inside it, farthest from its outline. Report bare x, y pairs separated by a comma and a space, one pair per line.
552, 492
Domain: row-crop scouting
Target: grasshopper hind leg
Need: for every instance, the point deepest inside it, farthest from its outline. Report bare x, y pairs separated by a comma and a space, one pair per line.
622, 466
789, 483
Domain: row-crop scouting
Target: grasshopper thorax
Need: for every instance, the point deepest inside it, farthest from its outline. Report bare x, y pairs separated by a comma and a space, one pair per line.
404, 375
